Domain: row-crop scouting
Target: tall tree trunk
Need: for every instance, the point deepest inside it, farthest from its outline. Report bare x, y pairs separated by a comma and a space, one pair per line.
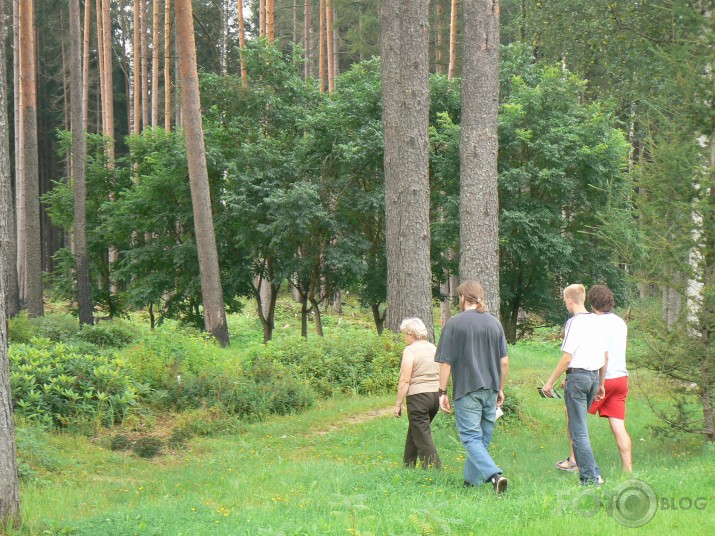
214, 312
445, 312
271, 20
262, 17
79, 153
336, 56
19, 166
295, 23
85, 64
100, 67
167, 65
137, 91
31, 182
145, 66
479, 197
155, 65
242, 44
266, 297
438, 38
223, 47
329, 44
306, 37
108, 78
9, 245
378, 317
453, 40
321, 48
405, 96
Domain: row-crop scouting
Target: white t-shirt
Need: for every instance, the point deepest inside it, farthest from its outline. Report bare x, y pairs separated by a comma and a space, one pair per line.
585, 339
617, 334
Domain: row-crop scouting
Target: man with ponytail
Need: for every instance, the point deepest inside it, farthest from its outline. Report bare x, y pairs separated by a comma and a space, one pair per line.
473, 350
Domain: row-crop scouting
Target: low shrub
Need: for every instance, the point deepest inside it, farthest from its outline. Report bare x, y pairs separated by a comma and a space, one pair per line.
53, 384
35, 453
113, 333
120, 442
53, 326
148, 446
352, 360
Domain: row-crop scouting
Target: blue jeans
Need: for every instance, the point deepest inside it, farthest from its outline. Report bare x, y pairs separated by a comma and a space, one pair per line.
580, 391
475, 414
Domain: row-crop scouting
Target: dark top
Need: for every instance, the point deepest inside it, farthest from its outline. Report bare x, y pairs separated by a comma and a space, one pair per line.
473, 343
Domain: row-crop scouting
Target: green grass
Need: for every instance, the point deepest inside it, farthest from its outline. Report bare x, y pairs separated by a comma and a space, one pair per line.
336, 470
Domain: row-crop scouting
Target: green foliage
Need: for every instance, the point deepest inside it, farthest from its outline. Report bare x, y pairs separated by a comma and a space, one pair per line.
53, 326
53, 384
148, 446
351, 361
120, 442
114, 333
35, 452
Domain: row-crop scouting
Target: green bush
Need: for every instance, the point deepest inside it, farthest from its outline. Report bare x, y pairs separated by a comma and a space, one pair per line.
353, 361
53, 326
35, 453
114, 334
148, 447
53, 384
120, 442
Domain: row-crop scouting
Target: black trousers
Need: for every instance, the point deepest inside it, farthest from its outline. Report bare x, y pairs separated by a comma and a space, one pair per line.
421, 409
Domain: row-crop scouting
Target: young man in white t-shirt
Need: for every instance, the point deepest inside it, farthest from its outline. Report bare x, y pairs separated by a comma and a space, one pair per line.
585, 361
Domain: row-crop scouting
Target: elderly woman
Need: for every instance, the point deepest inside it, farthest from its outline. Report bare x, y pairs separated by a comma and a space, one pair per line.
419, 385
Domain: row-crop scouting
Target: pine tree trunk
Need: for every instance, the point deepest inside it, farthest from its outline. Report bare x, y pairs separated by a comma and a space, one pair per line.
167, 65
31, 182
306, 30
79, 154
336, 56
479, 198
8, 245
378, 318
329, 44
136, 93
321, 48
242, 44
146, 105
262, 18
19, 166
214, 312
108, 100
271, 20
405, 96
85, 64
223, 47
155, 65
453, 41
438, 38
100, 68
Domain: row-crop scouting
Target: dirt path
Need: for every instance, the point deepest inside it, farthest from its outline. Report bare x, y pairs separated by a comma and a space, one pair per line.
360, 418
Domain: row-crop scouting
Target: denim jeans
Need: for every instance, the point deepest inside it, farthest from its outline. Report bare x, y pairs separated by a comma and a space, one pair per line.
580, 391
475, 414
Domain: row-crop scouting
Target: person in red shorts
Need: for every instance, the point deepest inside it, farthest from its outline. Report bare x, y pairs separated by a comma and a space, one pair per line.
613, 405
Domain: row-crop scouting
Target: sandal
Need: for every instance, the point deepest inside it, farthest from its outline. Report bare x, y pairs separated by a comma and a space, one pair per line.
567, 465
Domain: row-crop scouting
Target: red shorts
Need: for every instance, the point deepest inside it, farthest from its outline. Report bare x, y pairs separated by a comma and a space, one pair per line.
614, 403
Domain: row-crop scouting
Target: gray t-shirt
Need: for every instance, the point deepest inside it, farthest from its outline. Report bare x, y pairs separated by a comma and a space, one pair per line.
473, 343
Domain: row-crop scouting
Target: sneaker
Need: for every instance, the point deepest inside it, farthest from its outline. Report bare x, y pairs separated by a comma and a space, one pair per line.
499, 482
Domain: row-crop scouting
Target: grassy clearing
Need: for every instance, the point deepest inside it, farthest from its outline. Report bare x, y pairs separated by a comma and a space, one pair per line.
336, 470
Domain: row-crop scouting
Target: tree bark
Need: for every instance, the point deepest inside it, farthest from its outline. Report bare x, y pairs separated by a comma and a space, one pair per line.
9, 245
262, 18
214, 311
144, 66
321, 48
271, 20
137, 92
100, 67
108, 100
155, 65
21, 264
438, 38
167, 65
329, 44
405, 118
479, 198
85, 64
31, 182
378, 317
452, 41
306, 29
242, 44
79, 154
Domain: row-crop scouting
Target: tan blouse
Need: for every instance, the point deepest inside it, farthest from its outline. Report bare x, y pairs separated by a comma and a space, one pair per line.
425, 372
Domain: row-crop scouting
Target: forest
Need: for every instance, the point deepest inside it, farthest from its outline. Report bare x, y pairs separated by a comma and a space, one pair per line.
185, 164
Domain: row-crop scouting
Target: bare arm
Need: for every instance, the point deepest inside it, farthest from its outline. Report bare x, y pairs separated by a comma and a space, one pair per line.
504, 364
445, 369
601, 393
561, 367
408, 361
